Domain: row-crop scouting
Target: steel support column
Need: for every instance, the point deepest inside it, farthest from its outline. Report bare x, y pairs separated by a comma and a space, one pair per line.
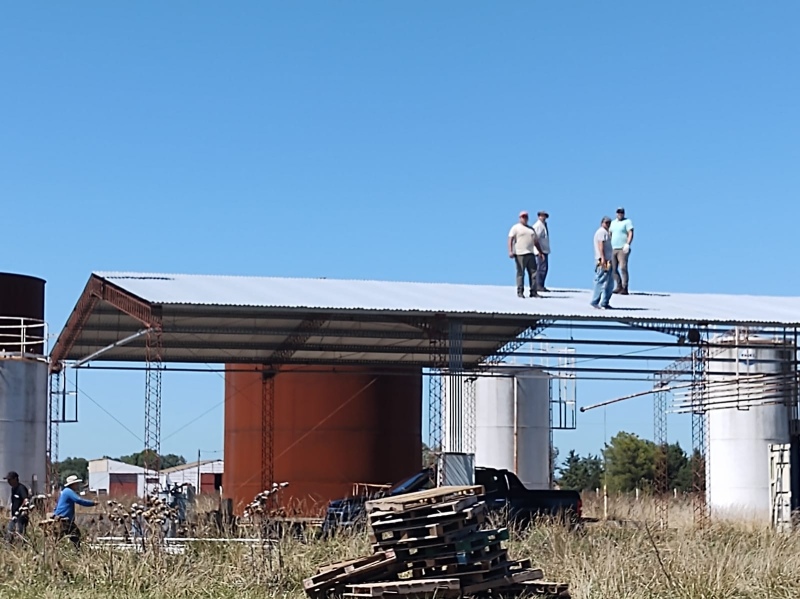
700, 474
267, 428
152, 402
661, 466
437, 339
53, 418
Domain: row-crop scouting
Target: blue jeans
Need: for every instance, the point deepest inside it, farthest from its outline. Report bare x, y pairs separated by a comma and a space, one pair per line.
603, 286
541, 270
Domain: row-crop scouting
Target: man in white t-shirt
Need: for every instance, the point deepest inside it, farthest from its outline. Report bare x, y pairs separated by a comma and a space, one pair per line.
522, 243
543, 256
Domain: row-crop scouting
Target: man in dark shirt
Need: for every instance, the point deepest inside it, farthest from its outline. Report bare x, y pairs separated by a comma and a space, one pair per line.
19, 498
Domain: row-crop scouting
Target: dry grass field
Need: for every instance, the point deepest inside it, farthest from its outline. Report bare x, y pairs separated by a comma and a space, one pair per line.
616, 560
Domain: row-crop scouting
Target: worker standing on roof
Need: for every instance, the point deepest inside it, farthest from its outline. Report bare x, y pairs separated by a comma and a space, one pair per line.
522, 242
621, 239
603, 282
542, 253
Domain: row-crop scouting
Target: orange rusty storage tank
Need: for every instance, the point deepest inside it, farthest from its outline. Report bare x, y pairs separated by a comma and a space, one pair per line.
334, 427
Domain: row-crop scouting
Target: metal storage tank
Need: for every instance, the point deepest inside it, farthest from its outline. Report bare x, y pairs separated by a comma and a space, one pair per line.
23, 379
738, 462
334, 427
512, 424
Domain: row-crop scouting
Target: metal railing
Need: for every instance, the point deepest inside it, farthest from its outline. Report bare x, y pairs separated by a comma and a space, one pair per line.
22, 336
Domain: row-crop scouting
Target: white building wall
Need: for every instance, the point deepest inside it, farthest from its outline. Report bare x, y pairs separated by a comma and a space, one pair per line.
188, 473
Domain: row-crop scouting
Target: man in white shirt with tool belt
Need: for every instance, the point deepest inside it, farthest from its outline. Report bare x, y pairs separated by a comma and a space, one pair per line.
522, 243
543, 256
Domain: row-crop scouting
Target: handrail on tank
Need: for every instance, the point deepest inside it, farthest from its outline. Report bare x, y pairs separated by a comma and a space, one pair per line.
23, 336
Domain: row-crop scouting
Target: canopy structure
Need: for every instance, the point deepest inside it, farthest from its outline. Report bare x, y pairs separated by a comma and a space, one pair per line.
457, 331
267, 320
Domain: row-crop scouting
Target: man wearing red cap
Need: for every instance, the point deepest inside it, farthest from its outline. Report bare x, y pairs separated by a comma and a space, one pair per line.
522, 243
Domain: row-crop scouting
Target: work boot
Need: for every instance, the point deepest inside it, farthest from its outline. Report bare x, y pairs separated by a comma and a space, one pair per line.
520, 294
617, 290
623, 291
533, 293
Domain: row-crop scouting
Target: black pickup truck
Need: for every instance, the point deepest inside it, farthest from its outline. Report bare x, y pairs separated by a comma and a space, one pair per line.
504, 494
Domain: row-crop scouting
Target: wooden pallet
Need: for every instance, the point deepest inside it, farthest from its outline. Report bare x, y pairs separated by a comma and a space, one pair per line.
459, 559
447, 533
393, 520
366, 569
421, 499
442, 546
477, 573
416, 588
501, 583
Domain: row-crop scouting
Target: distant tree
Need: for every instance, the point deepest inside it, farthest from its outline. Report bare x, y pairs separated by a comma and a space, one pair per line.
684, 478
580, 473
553, 462
141, 459
72, 466
630, 462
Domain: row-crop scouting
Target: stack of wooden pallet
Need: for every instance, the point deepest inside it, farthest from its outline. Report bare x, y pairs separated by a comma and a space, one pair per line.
432, 543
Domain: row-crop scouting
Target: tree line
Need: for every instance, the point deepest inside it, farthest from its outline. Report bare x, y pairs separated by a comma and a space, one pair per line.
80, 466
626, 463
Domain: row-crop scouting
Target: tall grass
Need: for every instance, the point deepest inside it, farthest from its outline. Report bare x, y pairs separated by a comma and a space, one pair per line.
617, 560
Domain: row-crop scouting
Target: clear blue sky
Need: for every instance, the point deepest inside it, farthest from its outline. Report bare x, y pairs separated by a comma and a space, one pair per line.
391, 140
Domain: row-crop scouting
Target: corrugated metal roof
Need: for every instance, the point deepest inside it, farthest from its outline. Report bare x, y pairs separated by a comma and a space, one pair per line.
335, 294
190, 466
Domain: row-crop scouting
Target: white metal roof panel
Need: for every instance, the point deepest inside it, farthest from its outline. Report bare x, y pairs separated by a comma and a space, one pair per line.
333, 294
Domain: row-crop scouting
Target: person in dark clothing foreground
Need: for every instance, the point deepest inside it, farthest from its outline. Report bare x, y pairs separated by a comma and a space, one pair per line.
19, 498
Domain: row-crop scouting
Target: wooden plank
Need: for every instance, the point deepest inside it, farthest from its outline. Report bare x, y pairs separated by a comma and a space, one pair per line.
438, 587
376, 557
503, 582
411, 501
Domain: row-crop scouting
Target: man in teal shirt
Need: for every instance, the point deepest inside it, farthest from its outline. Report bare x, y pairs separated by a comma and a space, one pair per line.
621, 238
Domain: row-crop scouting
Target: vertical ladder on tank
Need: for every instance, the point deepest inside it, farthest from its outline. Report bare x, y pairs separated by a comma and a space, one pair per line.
780, 486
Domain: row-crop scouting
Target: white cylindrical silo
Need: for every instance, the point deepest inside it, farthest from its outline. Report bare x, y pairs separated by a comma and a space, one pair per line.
740, 430
512, 424
23, 419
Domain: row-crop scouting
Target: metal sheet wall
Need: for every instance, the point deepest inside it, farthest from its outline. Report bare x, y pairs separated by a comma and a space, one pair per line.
332, 429
739, 436
23, 420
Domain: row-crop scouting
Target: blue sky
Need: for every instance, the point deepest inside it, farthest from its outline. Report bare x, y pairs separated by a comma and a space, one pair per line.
391, 140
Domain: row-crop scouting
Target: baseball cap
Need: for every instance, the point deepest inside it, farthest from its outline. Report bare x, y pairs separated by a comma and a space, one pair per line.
524, 213
620, 210
543, 213
606, 219
11, 475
